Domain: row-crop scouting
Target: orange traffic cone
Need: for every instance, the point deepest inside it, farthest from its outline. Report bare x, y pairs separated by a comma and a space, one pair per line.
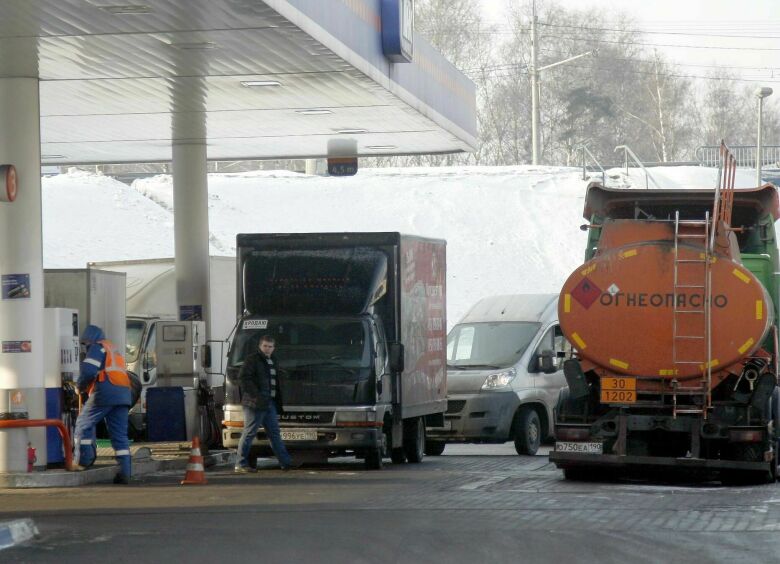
195, 473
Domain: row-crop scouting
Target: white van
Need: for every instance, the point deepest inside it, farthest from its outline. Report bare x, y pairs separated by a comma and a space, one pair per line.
504, 373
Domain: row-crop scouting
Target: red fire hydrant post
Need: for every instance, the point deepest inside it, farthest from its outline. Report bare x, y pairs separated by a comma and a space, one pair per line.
32, 458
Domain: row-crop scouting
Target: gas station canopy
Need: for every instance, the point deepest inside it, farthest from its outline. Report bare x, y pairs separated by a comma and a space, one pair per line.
250, 78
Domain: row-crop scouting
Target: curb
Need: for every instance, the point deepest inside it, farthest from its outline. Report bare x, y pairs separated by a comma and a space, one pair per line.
16, 532
102, 474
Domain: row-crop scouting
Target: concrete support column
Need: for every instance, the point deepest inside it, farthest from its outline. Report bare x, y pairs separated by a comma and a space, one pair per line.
21, 268
191, 231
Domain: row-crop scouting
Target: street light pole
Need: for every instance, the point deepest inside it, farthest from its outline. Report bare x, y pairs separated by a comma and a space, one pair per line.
761, 93
534, 72
534, 91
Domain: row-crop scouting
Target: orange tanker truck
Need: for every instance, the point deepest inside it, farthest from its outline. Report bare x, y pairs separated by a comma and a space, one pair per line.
673, 321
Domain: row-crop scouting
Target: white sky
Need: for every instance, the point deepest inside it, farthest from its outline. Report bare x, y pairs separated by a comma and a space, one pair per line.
756, 21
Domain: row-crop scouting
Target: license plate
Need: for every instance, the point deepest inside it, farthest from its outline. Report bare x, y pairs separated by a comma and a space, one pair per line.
618, 390
299, 435
586, 448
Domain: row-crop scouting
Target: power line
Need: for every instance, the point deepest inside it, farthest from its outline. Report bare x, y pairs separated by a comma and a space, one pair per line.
495, 70
590, 28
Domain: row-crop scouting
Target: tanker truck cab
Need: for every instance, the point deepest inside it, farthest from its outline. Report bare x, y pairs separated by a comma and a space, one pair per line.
504, 373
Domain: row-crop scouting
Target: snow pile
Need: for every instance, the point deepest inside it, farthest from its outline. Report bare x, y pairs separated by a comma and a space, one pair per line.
508, 229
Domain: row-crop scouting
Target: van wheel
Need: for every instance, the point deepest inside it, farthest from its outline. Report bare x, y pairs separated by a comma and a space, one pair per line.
414, 439
374, 459
528, 431
398, 456
434, 448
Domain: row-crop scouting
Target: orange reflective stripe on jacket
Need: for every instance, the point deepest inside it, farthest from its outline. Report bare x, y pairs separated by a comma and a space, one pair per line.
114, 368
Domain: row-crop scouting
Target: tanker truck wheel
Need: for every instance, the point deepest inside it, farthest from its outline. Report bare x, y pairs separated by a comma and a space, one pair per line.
528, 431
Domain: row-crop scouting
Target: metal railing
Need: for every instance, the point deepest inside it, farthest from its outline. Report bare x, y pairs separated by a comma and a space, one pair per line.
60, 426
744, 155
583, 149
628, 152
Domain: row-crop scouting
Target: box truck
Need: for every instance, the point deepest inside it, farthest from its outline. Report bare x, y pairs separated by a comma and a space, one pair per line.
359, 320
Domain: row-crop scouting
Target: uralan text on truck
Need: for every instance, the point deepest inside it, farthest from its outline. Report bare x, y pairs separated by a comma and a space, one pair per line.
360, 325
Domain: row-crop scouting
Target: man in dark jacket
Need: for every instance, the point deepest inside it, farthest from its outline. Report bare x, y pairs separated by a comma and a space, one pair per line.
259, 393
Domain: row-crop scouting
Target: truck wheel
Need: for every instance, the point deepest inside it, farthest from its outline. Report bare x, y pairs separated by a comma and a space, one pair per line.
398, 456
374, 459
434, 448
528, 431
414, 439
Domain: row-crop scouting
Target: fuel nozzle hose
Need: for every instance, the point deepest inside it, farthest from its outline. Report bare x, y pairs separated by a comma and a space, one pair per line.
210, 429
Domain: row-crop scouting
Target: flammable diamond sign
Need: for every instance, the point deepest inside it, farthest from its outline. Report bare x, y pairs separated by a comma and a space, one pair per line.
586, 292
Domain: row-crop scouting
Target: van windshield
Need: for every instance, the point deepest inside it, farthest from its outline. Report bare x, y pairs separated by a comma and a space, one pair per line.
489, 345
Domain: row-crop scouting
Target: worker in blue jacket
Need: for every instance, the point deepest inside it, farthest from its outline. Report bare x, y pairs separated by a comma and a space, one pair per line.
104, 377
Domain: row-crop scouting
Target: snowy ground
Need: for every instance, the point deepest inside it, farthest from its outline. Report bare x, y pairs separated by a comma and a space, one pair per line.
508, 229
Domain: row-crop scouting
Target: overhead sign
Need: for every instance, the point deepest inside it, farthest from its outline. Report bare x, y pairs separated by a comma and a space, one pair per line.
398, 30
343, 166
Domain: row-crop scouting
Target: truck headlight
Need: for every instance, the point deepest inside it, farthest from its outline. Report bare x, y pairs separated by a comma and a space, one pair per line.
355, 416
499, 379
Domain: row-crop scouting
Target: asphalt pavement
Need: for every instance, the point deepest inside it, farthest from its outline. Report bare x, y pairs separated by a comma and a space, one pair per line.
476, 503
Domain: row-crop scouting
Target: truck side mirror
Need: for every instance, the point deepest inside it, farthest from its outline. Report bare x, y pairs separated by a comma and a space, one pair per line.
546, 362
396, 357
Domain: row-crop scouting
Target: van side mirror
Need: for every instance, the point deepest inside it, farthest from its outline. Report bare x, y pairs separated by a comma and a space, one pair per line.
546, 362
396, 357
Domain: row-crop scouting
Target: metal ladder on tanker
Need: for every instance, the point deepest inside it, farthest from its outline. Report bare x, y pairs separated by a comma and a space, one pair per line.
695, 283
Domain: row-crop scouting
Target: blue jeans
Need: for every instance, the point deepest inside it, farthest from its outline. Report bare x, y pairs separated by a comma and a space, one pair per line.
253, 418
85, 450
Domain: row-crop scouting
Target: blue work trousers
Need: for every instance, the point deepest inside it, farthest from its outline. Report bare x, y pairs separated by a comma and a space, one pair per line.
84, 447
253, 418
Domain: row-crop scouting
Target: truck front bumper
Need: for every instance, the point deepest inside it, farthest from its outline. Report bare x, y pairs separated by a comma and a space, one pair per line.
483, 417
328, 438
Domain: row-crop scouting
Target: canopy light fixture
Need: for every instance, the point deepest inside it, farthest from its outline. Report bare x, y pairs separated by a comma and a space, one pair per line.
351, 131
127, 9
195, 45
259, 83
381, 147
52, 157
314, 112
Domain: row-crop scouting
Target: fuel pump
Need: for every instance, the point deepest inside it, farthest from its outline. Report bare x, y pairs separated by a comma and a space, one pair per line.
180, 357
61, 370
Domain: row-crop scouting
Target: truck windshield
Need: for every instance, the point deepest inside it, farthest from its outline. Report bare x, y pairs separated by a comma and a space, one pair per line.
134, 330
321, 361
489, 345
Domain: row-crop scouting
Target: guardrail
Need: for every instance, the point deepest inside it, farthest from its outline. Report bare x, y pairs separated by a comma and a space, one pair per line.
585, 154
21, 423
628, 152
744, 155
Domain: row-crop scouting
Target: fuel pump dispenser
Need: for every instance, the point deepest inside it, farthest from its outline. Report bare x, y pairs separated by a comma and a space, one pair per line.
61, 370
174, 406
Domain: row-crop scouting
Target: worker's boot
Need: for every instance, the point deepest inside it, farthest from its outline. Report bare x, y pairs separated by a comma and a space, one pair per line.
123, 477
